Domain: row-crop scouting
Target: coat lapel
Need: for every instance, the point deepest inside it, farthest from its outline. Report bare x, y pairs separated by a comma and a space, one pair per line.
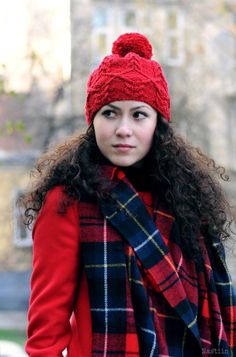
131, 219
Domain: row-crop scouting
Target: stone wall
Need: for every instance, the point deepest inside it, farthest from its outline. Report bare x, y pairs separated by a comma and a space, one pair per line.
11, 257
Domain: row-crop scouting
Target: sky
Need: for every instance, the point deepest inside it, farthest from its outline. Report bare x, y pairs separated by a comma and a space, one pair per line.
39, 26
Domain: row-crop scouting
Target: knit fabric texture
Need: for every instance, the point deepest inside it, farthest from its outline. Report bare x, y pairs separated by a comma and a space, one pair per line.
128, 74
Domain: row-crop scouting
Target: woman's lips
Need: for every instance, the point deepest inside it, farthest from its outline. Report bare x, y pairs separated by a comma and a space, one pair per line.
123, 147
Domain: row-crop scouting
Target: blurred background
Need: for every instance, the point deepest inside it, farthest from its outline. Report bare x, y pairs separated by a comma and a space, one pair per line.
48, 48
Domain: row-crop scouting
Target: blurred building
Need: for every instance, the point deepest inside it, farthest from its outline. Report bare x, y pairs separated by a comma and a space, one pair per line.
194, 41
34, 105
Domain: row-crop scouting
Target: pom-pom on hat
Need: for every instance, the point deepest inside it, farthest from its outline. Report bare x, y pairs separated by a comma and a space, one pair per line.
128, 74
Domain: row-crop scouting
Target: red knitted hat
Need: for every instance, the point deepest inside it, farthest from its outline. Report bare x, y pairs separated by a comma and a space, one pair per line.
128, 74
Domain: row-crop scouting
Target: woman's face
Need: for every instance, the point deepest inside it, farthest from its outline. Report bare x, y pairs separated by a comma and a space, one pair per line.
124, 131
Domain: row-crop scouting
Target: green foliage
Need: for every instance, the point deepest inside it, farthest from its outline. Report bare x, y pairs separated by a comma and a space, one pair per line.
12, 93
17, 336
27, 139
3, 83
33, 56
20, 126
2, 86
11, 128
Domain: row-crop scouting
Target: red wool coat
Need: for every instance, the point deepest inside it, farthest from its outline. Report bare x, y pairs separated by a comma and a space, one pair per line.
59, 312
54, 296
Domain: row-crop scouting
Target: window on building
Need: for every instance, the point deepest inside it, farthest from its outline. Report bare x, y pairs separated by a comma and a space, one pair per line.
128, 18
102, 42
100, 17
174, 45
22, 235
134, 20
101, 34
108, 22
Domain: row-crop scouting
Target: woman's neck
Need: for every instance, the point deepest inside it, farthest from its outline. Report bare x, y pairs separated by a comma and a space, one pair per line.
138, 177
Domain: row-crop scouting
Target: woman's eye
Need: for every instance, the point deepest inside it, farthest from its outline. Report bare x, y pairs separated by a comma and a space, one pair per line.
140, 115
108, 113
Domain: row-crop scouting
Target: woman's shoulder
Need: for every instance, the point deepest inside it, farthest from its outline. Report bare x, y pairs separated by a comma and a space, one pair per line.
54, 197
57, 201
55, 194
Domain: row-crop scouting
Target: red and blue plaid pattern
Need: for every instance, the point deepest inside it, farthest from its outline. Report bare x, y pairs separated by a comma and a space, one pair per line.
146, 298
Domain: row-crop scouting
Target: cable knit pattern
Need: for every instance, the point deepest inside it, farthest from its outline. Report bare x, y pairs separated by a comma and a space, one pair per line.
128, 74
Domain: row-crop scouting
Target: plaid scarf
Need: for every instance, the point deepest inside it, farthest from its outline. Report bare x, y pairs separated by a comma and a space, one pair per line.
146, 299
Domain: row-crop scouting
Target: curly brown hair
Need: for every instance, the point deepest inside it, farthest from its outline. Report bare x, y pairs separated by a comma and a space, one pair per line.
187, 178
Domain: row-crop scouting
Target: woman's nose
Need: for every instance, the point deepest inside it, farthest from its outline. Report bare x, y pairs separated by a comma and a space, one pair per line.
124, 128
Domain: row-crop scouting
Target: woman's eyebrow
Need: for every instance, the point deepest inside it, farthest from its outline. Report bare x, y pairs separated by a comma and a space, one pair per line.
112, 106
134, 108
140, 106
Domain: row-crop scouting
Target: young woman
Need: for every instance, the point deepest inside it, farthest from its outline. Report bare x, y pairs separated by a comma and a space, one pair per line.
129, 221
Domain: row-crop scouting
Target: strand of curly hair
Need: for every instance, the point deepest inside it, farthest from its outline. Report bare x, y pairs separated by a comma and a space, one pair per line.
187, 178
